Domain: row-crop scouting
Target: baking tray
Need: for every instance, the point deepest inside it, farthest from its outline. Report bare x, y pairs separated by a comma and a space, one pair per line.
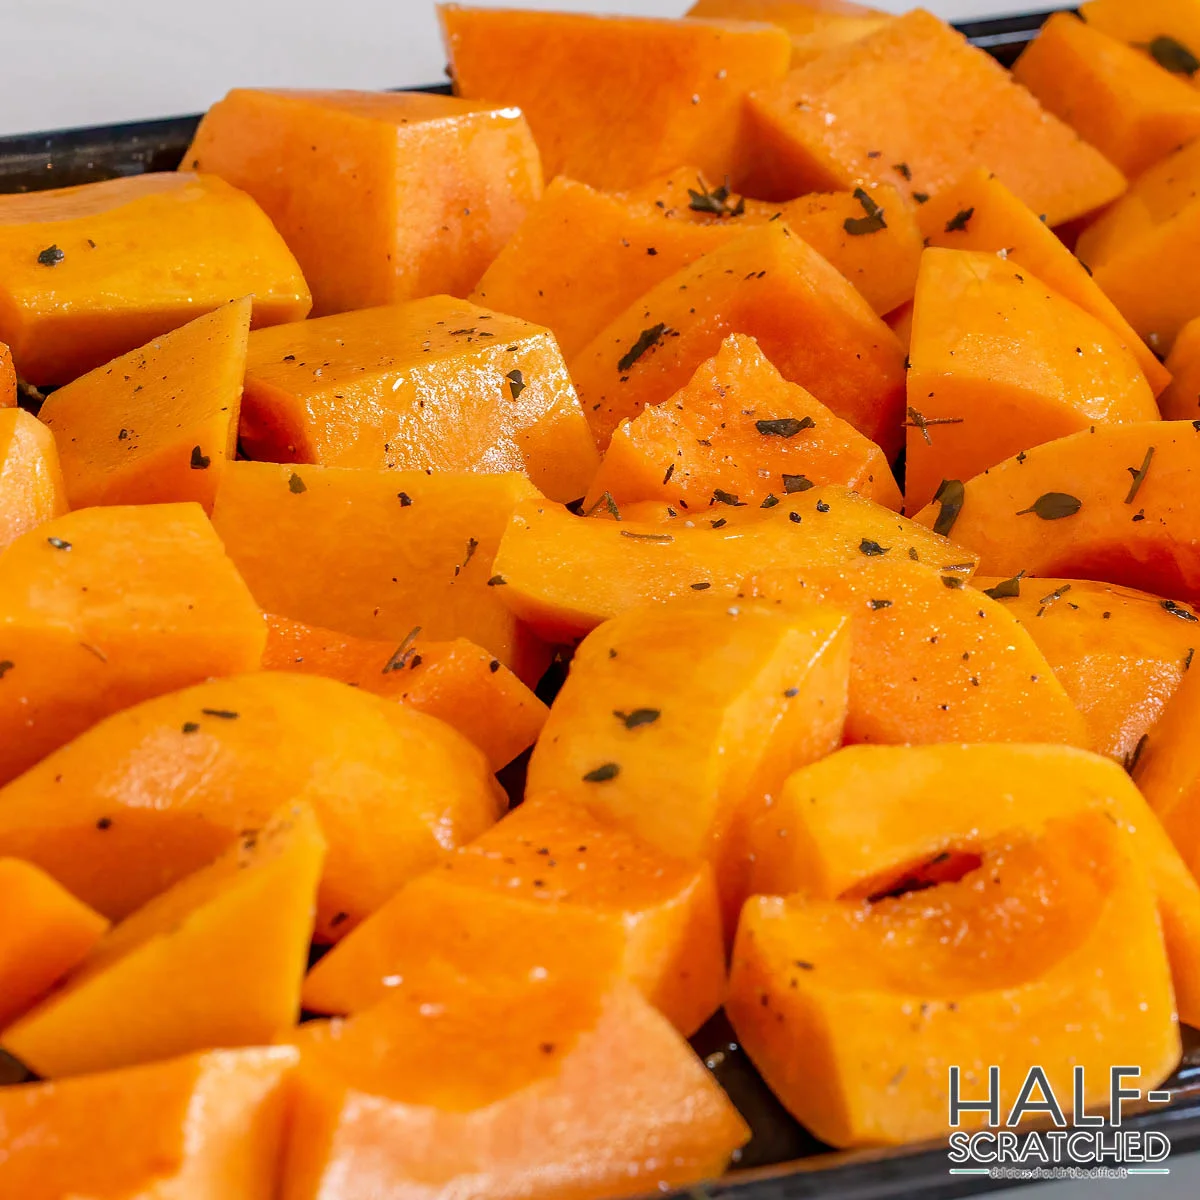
782, 1161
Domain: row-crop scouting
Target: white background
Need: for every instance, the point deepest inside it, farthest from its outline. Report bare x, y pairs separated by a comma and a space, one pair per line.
86, 62
89, 62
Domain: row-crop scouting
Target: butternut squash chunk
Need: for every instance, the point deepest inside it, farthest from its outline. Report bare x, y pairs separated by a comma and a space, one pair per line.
1141, 23
46, 932
457, 682
1118, 653
381, 196
382, 552
394, 790
205, 1127
8, 378
590, 1093
813, 25
846, 825
678, 720
1181, 400
914, 105
31, 483
550, 886
159, 423
738, 427
437, 384
564, 574
615, 100
768, 283
930, 660
1115, 97
214, 961
105, 607
1001, 363
1109, 504
1049, 953
1145, 249
91, 272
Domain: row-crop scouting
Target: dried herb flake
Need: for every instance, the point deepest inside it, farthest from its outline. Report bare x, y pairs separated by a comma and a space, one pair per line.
717, 202
516, 383
296, 485
199, 461
1007, 588
1177, 610
720, 496
950, 496
603, 773
797, 483
639, 716
1139, 475
646, 339
873, 222
1172, 56
784, 427
871, 549
51, 256
1053, 506
958, 222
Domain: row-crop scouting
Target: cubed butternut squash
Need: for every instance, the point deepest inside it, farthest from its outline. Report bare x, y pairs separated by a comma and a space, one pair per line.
159, 423
91, 272
564, 574
1115, 97
1181, 400
615, 100
32, 491
1165, 21
381, 196
105, 607
394, 790
768, 283
436, 384
980, 213
215, 961
737, 427
678, 720
551, 886
590, 1093
383, 551
456, 681
1109, 504
46, 932
8, 378
999, 363
206, 1126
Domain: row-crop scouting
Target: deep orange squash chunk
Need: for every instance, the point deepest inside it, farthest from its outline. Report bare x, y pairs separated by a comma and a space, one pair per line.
457, 682
394, 791
1145, 249
437, 384
204, 1127
31, 483
46, 932
913, 102
108, 606
615, 100
768, 283
1000, 363
158, 423
93, 271
740, 428
1115, 97
589, 1094
813, 25
8, 378
381, 552
565, 574
1109, 504
980, 213
1181, 400
382, 196
552, 886
214, 961
678, 720
1139, 24
850, 824
1049, 953
1118, 653
930, 660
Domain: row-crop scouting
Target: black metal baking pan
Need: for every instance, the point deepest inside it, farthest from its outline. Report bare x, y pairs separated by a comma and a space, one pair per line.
782, 1161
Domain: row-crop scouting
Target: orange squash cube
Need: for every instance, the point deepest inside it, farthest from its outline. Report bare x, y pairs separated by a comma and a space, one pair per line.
8, 378
418, 1097
913, 103
1139, 24
437, 384
215, 961
46, 933
91, 272
159, 423
613, 101
554, 887
105, 607
1181, 400
381, 196
31, 483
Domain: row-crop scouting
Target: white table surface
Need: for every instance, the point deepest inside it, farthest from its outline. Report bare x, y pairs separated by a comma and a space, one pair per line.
83, 62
